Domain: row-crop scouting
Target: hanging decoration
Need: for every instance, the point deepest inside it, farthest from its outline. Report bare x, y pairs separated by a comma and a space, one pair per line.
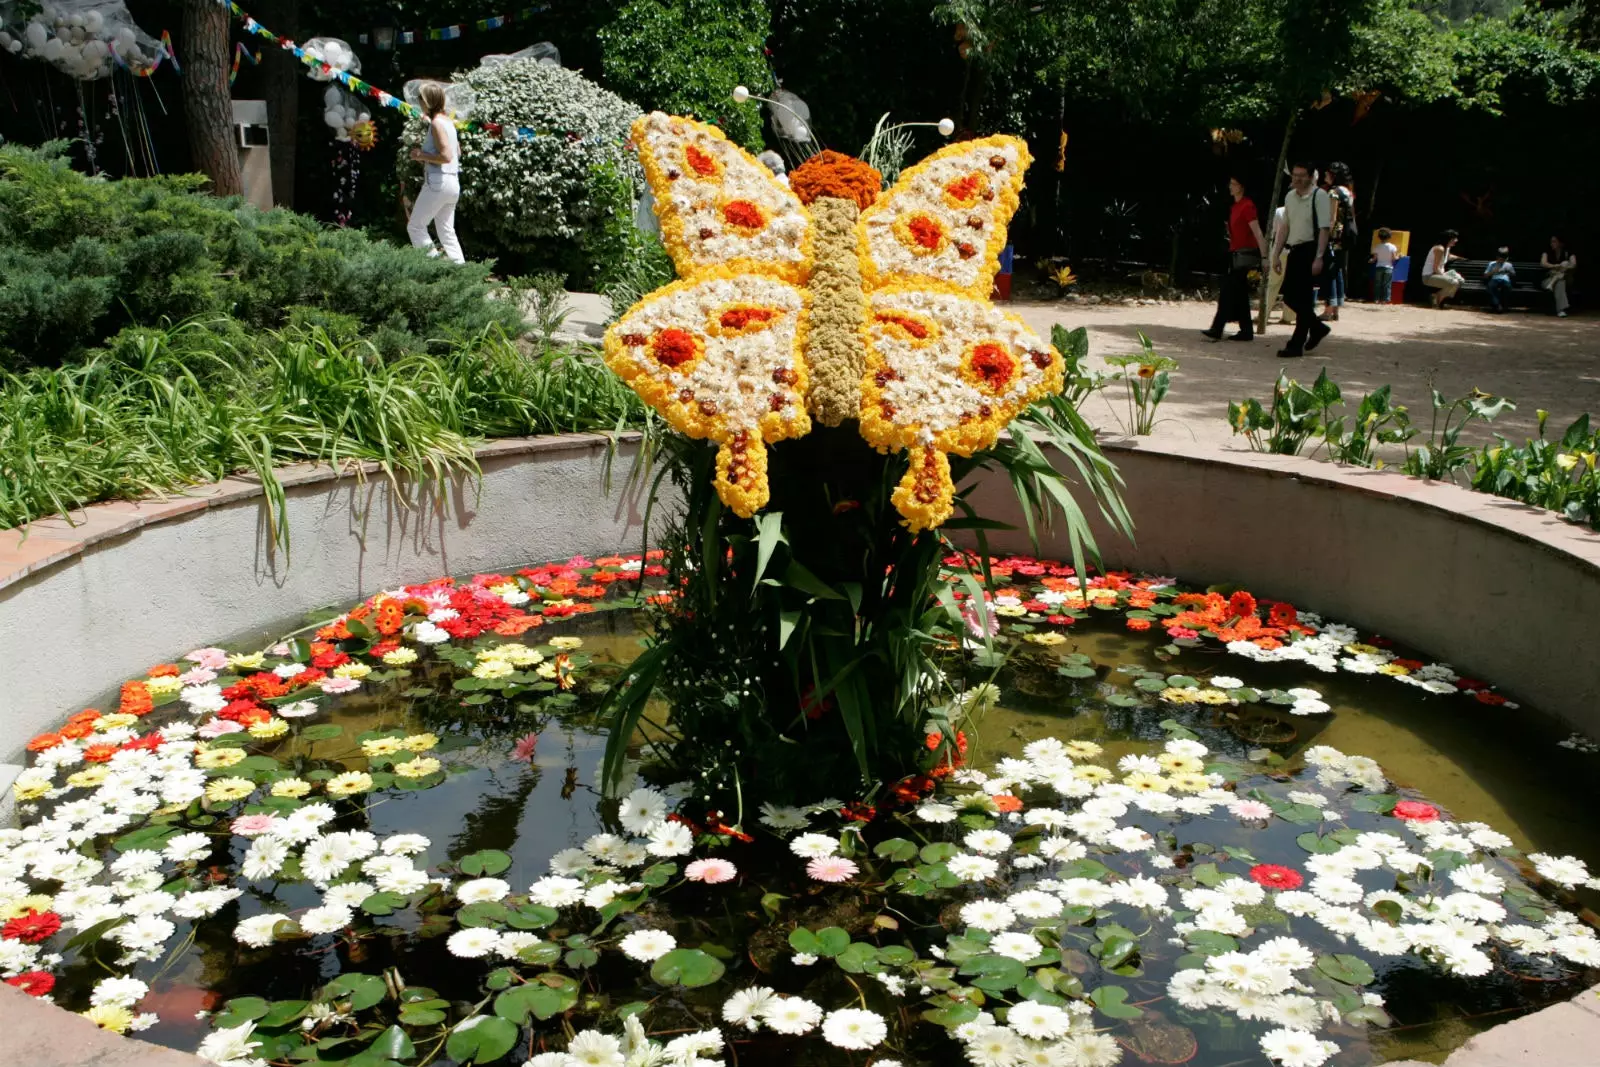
343, 111
457, 30
364, 134
85, 39
241, 52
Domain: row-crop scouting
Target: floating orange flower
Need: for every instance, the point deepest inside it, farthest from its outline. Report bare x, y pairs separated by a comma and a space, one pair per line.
135, 699
1242, 604
1139, 624
517, 624
1005, 802
99, 753
77, 730
165, 670
44, 741
1282, 614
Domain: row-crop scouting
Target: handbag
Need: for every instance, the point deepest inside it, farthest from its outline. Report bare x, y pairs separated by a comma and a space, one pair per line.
1246, 259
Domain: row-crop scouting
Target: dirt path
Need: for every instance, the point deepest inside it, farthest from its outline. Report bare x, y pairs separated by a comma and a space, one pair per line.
1535, 359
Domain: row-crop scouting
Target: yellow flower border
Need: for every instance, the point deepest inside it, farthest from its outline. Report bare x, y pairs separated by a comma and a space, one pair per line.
1007, 197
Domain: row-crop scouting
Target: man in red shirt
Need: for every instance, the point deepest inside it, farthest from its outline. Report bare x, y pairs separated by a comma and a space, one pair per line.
1246, 249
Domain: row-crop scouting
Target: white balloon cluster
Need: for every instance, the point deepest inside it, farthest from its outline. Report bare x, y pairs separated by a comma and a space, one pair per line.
337, 54
543, 51
459, 98
342, 111
84, 38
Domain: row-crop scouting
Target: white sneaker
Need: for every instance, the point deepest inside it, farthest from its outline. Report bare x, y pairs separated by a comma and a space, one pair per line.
1561, 314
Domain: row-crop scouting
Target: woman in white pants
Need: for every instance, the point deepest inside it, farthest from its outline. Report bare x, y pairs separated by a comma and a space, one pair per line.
441, 182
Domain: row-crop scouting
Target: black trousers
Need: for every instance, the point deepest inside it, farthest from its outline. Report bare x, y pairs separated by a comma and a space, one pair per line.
1234, 303
1299, 292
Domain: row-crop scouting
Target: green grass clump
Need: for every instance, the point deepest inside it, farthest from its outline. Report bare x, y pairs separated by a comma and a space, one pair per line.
83, 258
157, 410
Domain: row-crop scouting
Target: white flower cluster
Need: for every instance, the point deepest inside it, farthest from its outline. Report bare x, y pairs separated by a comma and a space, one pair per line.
523, 191
591, 1048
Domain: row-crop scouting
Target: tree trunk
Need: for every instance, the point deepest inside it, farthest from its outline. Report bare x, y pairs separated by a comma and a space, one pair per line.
1268, 215
281, 72
208, 104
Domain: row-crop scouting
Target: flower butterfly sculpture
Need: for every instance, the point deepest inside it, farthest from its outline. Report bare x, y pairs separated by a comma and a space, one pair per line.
830, 301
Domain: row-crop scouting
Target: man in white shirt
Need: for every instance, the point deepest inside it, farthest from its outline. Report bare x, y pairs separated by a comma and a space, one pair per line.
1303, 232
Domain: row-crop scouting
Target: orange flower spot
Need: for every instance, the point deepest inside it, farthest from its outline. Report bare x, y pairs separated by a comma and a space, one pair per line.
1138, 624
830, 173
165, 670
674, 347
918, 330
700, 162
967, 191
99, 753
926, 232
1242, 604
743, 215
1004, 802
77, 730
994, 367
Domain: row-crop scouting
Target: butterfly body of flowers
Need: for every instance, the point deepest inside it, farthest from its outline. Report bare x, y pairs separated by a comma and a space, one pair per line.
830, 301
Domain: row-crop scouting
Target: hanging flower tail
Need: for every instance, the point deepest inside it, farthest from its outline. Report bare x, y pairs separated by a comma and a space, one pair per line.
924, 495
742, 473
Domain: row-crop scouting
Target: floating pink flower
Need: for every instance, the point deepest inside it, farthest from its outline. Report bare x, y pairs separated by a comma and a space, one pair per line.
980, 629
1182, 633
525, 747
212, 659
218, 727
251, 825
198, 676
338, 685
831, 869
1415, 811
1250, 809
713, 871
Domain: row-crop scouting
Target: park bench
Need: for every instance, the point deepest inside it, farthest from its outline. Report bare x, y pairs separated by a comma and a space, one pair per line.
1525, 286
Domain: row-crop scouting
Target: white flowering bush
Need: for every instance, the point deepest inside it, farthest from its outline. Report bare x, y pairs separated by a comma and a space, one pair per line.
561, 199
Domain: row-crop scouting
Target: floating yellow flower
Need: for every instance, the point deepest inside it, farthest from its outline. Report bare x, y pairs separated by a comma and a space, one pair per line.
1174, 763
1213, 697
106, 1017
1083, 749
566, 643
1091, 773
420, 767
1179, 695
212, 759
87, 778
253, 661
166, 684
1011, 610
269, 730
227, 790
1146, 783
380, 746
1189, 782
115, 721
419, 742
400, 657
343, 785
293, 788
352, 670
493, 668
19, 907
1393, 669
1050, 637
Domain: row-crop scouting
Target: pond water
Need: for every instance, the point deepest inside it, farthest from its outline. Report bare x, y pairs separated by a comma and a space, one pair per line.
520, 780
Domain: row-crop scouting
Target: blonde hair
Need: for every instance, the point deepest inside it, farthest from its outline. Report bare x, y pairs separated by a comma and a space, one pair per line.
432, 97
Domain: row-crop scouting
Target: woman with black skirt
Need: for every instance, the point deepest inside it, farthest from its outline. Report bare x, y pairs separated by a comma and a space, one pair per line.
1246, 250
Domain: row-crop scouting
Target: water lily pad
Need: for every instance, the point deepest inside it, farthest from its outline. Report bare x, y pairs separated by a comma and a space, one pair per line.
363, 990
994, 973
1111, 1000
832, 940
688, 967
1350, 970
488, 862
393, 1044
896, 848
481, 1039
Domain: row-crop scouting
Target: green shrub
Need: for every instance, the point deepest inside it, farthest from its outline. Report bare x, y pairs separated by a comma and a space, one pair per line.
685, 56
543, 203
82, 258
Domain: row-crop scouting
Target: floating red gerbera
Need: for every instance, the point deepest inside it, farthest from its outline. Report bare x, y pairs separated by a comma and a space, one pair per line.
33, 983
1274, 876
32, 928
1415, 811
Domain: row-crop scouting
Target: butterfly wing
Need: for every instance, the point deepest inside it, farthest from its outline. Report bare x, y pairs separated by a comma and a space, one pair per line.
945, 373
943, 224
720, 358
719, 353
719, 208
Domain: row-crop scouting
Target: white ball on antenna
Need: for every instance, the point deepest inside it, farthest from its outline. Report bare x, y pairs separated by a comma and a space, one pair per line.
740, 94
94, 22
802, 132
947, 127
